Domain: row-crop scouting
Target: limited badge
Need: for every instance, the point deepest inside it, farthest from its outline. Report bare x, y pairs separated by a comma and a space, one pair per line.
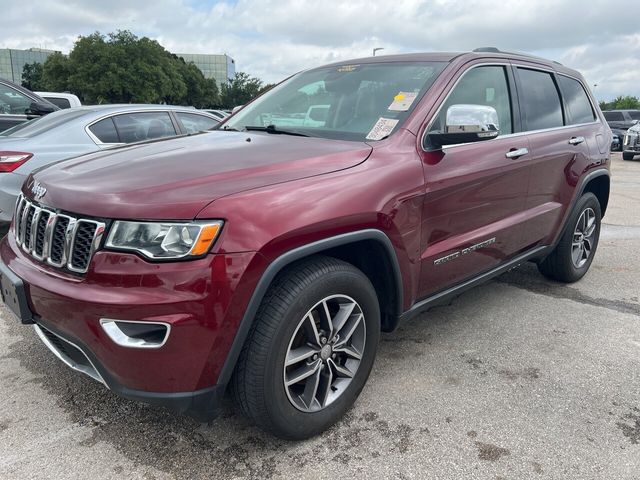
382, 128
402, 101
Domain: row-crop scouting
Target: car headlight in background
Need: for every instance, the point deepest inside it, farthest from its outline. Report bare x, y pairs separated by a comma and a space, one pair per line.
164, 240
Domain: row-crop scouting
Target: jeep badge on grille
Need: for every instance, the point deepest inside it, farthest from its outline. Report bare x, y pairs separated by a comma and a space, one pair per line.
38, 190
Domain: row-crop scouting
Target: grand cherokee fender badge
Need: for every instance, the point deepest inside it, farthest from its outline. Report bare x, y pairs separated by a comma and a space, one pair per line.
464, 251
38, 190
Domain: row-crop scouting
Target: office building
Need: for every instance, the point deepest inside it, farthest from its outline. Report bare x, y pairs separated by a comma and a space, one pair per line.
12, 61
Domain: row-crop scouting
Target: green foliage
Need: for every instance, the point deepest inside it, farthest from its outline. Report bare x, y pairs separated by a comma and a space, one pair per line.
32, 76
239, 91
626, 102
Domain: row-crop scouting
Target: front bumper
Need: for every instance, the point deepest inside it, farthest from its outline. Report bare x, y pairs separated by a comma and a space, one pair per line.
202, 300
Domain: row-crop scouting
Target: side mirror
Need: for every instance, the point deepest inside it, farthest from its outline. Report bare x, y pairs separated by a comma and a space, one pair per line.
635, 122
41, 108
236, 108
467, 123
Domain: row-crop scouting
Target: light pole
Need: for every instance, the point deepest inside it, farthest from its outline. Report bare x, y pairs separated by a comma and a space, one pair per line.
376, 49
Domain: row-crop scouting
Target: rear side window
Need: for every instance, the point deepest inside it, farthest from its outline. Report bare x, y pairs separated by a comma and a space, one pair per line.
59, 102
613, 116
540, 100
194, 123
481, 86
136, 127
635, 115
105, 131
577, 101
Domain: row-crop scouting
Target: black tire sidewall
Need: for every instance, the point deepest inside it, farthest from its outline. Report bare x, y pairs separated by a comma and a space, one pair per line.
287, 419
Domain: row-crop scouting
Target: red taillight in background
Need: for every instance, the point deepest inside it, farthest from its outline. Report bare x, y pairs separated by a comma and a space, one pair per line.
9, 161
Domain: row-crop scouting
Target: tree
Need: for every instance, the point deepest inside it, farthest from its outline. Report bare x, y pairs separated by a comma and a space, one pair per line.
621, 103
32, 76
55, 73
240, 90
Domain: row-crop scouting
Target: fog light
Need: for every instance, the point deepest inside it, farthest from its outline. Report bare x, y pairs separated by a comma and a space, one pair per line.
132, 334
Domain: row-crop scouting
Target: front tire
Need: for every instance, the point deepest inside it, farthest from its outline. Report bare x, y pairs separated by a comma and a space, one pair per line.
571, 258
310, 349
627, 156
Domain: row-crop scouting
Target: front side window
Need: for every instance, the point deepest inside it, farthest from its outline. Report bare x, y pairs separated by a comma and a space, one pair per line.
634, 114
194, 123
346, 102
577, 101
481, 86
136, 127
540, 100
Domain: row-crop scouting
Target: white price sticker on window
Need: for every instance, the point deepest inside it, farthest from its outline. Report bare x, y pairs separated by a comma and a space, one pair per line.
402, 101
382, 128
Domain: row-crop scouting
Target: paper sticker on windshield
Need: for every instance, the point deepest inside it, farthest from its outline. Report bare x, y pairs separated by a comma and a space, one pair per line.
402, 101
382, 128
348, 68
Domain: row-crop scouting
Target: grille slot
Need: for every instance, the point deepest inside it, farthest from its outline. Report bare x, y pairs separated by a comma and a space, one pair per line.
59, 240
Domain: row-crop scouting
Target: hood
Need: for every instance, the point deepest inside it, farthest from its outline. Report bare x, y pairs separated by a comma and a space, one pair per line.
174, 179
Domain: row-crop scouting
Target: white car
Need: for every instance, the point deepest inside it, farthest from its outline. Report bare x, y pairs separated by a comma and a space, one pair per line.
61, 100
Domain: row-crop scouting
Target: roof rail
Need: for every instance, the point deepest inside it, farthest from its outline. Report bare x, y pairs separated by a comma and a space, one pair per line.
497, 50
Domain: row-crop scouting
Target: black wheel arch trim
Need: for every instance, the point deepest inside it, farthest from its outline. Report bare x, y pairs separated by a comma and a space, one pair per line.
288, 258
583, 185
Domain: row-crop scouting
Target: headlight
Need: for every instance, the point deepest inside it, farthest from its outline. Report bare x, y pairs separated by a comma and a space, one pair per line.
164, 240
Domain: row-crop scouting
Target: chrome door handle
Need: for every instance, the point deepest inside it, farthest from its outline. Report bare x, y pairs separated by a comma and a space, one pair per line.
516, 153
576, 140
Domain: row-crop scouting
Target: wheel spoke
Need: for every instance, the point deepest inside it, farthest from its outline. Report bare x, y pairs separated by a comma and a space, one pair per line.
576, 254
299, 354
591, 226
348, 329
325, 319
311, 330
324, 389
342, 316
311, 389
349, 350
301, 373
341, 371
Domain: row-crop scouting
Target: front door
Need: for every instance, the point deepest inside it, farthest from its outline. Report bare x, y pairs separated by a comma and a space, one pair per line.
475, 193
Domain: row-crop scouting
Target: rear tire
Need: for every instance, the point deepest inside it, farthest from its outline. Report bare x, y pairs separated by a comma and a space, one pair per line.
572, 257
627, 156
322, 316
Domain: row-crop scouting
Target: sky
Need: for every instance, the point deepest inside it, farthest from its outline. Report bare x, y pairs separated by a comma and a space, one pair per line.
272, 39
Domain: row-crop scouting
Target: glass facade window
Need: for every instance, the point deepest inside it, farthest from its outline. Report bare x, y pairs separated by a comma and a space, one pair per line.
13, 61
222, 68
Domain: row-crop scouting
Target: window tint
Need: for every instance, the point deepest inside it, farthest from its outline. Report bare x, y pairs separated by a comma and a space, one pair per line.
105, 131
635, 114
577, 101
613, 116
194, 123
13, 102
45, 124
482, 86
59, 102
540, 100
136, 127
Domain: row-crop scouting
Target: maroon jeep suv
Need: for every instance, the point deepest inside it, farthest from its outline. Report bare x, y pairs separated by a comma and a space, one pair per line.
264, 258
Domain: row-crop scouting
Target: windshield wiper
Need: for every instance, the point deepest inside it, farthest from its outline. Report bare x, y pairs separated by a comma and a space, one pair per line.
274, 129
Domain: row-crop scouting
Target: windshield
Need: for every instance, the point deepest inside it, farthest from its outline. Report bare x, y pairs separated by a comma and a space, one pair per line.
43, 124
347, 102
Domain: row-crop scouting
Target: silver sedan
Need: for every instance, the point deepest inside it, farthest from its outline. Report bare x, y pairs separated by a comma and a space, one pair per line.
69, 133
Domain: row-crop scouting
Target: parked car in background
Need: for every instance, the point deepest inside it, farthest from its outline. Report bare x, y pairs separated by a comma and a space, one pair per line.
219, 114
267, 258
620, 121
71, 132
616, 142
18, 105
631, 144
61, 100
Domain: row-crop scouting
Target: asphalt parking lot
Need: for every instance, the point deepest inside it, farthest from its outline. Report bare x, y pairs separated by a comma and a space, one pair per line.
519, 378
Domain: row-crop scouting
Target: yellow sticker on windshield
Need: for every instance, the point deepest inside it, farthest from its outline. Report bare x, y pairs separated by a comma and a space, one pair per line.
402, 101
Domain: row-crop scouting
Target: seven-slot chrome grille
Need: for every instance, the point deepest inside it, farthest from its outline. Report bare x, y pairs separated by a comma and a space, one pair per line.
57, 239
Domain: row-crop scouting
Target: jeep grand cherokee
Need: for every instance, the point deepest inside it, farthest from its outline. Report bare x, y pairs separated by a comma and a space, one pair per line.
266, 257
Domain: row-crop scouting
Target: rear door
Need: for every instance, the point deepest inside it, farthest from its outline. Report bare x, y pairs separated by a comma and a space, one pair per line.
559, 120
475, 192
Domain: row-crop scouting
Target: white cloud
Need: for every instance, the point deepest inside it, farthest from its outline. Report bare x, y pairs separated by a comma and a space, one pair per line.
273, 39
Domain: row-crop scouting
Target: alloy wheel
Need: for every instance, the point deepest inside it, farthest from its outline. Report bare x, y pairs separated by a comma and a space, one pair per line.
324, 353
583, 238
